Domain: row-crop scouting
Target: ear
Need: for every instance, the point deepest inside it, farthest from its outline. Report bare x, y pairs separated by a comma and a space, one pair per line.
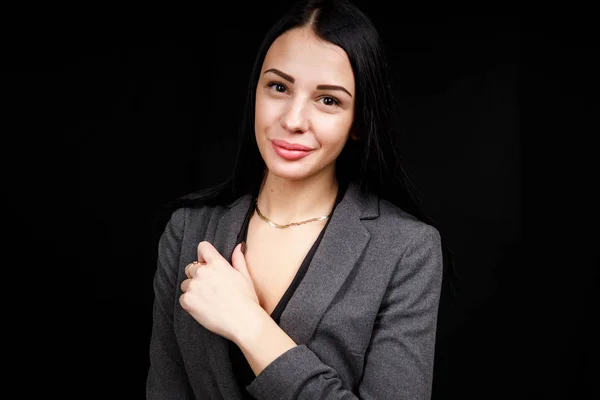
353, 134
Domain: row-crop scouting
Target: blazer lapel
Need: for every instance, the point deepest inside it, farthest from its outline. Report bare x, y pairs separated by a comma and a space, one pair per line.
339, 251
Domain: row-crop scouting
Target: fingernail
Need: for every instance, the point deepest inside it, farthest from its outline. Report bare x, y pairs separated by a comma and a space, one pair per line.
244, 248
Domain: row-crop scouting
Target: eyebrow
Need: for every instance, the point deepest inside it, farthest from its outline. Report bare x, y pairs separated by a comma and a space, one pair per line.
319, 87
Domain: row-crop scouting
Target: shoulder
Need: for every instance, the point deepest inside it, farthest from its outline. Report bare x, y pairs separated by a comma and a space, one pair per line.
414, 246
197, 212
397, 227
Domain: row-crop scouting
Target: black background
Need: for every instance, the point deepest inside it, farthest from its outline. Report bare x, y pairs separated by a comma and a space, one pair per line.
497, 114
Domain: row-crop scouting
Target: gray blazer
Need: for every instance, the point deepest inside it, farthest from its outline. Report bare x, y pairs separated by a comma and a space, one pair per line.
363, 317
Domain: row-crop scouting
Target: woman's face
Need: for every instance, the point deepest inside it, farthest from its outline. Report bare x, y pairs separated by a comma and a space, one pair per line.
305, 96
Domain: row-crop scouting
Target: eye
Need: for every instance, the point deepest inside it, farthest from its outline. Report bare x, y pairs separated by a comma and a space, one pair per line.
330, 101
278, 86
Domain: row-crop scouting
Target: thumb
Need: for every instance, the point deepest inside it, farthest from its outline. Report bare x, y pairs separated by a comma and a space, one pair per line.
238, 261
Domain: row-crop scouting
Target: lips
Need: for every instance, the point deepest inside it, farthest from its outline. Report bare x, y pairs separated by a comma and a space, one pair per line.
290, 146
287, 154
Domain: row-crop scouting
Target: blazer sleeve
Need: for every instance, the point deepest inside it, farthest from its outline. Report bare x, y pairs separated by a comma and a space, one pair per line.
399, 359
167, 378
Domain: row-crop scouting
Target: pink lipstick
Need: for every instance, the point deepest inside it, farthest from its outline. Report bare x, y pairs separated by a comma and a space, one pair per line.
290, 152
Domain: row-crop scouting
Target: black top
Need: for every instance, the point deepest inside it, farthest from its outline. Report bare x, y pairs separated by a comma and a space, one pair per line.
241, 369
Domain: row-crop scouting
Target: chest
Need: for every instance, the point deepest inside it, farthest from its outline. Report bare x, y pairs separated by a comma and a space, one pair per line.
273, 257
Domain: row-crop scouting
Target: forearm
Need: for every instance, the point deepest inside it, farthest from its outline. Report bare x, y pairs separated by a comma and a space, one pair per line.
262, 340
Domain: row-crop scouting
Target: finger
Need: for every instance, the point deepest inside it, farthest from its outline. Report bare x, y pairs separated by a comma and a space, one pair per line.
237, 259
190, 269
183, 301
185, 285
207, 252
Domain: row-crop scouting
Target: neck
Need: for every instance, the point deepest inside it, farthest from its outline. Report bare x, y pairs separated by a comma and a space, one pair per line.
284, 201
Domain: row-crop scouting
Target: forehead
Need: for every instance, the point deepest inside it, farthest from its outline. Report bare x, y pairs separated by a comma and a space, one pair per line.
307, 58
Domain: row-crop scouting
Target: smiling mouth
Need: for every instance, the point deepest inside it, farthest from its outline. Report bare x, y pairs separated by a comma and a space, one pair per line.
290, 146
290, 155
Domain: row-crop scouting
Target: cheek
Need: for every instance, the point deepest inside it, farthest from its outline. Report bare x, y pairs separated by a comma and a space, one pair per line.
334, 131
258, 114
265, 114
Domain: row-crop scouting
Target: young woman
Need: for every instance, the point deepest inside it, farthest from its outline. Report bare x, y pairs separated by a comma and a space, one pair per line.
310, 273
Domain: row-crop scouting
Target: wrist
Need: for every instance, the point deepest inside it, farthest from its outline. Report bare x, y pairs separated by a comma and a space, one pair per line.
252, 323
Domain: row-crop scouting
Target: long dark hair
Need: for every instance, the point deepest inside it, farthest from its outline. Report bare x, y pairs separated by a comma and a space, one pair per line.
372, 161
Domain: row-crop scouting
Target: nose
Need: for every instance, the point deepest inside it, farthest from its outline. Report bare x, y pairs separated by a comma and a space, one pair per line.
294, 119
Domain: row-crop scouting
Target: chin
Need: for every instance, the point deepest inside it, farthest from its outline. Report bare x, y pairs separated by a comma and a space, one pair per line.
288, 173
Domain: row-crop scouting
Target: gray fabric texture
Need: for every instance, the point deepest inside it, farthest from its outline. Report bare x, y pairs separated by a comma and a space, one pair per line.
363, 317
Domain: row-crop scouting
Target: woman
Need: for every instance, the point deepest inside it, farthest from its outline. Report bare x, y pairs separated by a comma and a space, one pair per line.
307, 274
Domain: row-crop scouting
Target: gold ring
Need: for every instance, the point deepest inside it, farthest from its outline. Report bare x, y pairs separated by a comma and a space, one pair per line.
187, 267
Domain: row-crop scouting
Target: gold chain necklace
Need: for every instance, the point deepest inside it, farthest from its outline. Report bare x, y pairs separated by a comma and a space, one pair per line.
273, 224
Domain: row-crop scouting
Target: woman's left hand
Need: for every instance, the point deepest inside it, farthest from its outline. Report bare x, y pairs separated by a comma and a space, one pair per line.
221, 297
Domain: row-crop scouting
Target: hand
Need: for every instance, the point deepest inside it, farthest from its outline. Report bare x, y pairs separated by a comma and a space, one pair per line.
221, 297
